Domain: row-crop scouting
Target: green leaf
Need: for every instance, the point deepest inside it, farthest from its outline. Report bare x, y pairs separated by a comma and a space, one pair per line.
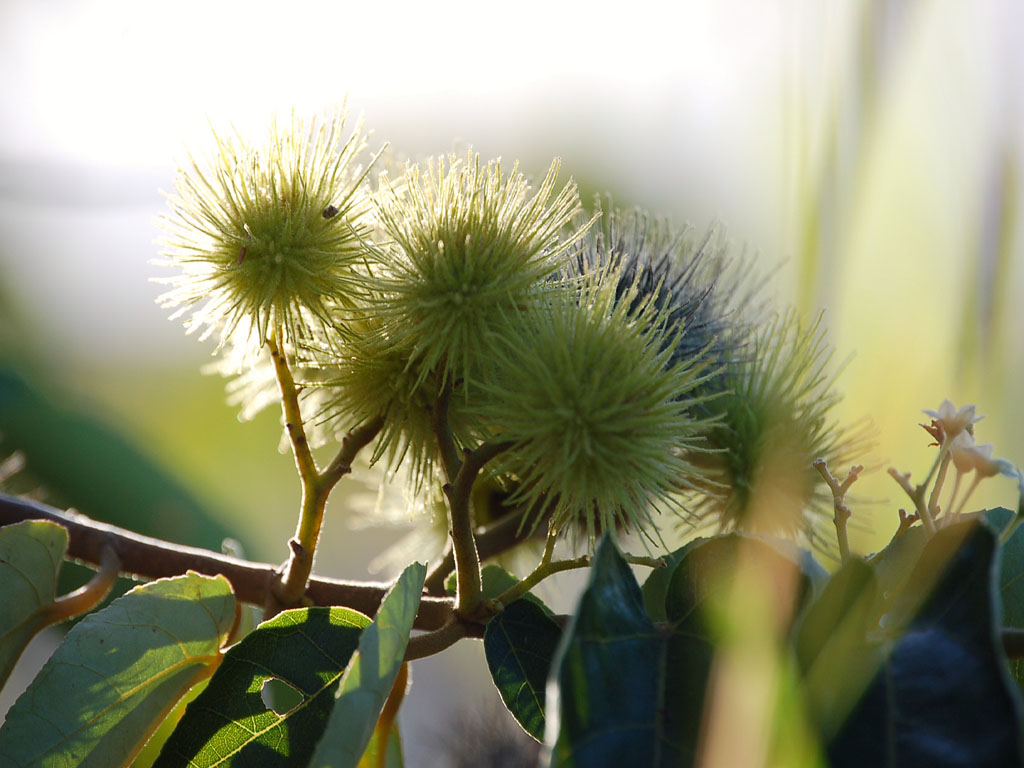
307, 649
727, 588
30, 556
607, 675
894, 564
371, 674
631, 692
494, 581
832, 647
655, 588
942, 697
118, 673
1011, 580
520, 643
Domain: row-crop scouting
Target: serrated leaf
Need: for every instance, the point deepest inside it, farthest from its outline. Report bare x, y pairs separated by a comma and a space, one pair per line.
520, 643
630, 692
31, 553
228, 724
117, 674
371, 674
941, 697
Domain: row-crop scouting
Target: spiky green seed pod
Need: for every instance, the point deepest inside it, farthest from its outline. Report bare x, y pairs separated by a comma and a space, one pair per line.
776, 419
268, 236
595, 407
691, 279
367, 377
467, 242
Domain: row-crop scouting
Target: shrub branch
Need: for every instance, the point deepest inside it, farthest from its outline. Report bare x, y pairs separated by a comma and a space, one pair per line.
149, 558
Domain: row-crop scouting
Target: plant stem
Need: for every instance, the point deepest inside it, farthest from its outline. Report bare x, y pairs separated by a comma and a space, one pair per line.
916, 495
87, 597
292, 415
500, 536
842, 511
290, 588
538, 575
933, 498
461, 476
443, 432
970, 491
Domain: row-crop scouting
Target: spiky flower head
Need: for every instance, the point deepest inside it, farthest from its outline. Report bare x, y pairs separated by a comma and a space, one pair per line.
266, 236
595, 408
776, 419
467, 242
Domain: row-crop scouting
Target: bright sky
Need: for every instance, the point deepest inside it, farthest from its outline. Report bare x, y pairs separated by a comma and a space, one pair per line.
698, 110
100, 99
128, 82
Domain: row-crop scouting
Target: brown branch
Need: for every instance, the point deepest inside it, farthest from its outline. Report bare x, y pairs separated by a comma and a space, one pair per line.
430, 643
149, 558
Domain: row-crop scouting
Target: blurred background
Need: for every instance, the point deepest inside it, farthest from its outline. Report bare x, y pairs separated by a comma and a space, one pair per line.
868, 153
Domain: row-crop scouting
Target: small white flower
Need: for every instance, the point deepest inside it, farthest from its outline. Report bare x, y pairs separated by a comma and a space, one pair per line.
953, 421
969, 456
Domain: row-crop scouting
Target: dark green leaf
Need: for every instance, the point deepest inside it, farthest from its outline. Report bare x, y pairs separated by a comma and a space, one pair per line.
30, 556
1011, 580
655, 588
727, 586
228, 724
631, 692
607, 675
117, 673
894, 564
942, 697
371, 674
520, 643
832, 647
